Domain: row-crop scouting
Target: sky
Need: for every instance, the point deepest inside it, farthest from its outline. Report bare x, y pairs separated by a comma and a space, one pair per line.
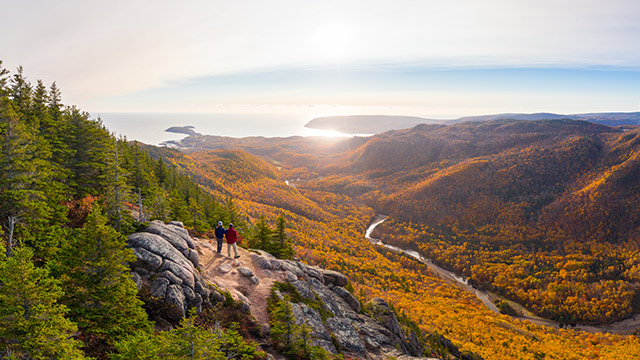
430, 58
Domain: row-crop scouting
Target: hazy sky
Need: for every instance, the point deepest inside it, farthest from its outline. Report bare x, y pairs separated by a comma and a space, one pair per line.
426, 58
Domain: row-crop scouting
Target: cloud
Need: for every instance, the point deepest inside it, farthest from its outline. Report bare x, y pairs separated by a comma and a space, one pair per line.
104, 50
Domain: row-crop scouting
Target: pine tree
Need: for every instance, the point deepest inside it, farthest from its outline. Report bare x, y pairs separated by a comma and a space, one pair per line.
98, 288
32, 322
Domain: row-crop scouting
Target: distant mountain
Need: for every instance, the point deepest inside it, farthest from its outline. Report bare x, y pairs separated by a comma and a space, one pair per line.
367, 124
610, 119
376, 124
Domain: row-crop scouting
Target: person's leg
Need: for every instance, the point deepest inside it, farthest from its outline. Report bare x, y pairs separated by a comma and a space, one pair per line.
228, 250
219, 244
235, 250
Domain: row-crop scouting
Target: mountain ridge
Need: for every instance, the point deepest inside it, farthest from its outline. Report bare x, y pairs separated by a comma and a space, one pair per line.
375, 124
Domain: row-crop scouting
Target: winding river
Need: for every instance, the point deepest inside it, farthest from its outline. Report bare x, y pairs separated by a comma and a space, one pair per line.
626, 326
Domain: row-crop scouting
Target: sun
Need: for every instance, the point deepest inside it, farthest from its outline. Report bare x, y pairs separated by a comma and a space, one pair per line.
333, 42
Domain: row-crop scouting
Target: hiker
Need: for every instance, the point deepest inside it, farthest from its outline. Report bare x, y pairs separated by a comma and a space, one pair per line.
232, 236
220, 231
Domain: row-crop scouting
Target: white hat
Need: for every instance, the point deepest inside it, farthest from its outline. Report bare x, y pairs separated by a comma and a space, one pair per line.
219, 223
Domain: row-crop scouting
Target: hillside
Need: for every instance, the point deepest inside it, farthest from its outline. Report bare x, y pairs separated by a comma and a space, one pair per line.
366, 124
379, 173
610, 119
546, 192
502, 202
553, 191
376, 124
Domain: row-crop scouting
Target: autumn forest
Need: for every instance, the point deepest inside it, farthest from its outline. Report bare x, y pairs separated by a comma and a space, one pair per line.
543, 213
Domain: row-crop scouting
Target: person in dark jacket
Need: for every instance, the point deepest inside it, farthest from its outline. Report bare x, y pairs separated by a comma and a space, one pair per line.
220, 231
232, 237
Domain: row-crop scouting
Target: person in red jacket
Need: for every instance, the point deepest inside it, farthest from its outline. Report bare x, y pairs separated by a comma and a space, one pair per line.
232, 236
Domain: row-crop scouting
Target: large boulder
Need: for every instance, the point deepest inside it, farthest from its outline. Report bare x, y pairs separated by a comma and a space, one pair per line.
166, 268
334, 278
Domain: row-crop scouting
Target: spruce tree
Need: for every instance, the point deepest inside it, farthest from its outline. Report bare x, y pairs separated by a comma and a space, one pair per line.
177, 206
21, 198
262, 235
97, 283
40, 108
32, 322
282, 243
56, 129
4, 80
93, 152
21, 94
117, 190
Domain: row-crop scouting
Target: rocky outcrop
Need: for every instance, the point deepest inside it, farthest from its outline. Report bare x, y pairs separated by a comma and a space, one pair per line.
342, 326
166, 269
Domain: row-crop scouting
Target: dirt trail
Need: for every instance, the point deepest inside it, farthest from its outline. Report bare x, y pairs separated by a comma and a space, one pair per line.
232, 280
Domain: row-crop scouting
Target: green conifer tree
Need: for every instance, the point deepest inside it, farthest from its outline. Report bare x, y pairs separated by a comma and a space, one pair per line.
262, 235
22, 199
21, 94
98, 287
32, 322
282, 243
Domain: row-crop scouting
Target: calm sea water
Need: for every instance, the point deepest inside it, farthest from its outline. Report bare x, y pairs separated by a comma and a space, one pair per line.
149, 128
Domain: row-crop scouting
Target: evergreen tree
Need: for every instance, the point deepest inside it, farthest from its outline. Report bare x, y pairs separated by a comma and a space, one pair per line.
282, 243
117, 190
21, 197
98, 287
177, 206
40, 108
91, 158
157, 204
196, 215
189, 341
4, 80
21, 91
283, 324
32, 322
291, 339
161, 171
262, 235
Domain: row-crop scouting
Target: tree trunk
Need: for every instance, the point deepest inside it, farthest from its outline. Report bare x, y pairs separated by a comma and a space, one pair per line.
140, 212
12, 223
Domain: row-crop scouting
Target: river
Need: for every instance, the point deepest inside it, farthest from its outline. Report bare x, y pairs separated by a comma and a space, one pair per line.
627, 326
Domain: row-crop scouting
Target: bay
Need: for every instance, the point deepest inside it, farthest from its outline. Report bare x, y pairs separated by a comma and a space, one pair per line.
149, 128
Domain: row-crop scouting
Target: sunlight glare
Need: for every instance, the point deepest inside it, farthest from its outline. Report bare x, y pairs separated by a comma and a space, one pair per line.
333, 42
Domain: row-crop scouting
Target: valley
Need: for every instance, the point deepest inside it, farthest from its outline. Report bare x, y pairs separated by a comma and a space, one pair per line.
626, 326
481, 199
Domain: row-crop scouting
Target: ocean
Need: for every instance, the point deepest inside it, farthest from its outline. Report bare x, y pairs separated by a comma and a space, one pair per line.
149, 128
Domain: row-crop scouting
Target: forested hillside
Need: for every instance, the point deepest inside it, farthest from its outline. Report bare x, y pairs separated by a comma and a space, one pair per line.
69, 190
543, 212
